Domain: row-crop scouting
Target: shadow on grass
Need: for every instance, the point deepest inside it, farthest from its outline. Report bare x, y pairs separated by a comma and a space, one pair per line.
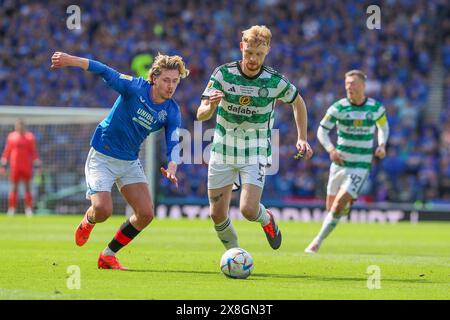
322, 278
172, 271
402, 255
263, 276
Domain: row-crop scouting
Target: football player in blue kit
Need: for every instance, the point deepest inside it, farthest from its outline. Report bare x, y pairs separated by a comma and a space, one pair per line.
143, 107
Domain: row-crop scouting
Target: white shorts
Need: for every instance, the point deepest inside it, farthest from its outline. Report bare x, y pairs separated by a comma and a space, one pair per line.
221, 175
349, 179
103, 171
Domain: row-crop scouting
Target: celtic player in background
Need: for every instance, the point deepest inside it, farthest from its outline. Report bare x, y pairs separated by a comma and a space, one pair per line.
245, 93
355, 118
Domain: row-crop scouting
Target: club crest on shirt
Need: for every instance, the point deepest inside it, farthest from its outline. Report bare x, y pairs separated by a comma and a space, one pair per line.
263, 92
162, 115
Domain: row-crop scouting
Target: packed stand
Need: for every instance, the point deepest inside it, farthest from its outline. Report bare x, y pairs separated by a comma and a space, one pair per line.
314, 44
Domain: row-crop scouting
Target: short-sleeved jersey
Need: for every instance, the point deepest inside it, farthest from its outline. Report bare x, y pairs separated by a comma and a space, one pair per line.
20, 151
245, 114
355, 129
133, 117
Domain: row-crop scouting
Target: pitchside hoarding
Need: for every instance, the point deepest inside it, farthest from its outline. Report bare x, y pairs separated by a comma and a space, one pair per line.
309, 214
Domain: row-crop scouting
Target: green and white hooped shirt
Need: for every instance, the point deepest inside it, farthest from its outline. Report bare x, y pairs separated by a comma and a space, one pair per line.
355, 129
245, 114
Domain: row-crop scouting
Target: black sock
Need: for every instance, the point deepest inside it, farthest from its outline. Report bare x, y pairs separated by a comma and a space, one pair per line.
123, 236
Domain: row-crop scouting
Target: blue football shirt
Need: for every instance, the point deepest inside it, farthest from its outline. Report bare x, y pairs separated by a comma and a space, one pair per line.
133, 117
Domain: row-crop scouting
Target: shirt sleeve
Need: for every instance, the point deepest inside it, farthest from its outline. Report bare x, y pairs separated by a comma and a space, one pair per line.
7, 150
213, 84
122, 83
329, 120
324, 138
173, 137
289, 92
383, 127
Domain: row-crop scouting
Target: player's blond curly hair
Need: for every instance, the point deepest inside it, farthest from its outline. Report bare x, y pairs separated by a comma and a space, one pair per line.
257, 35
169, 63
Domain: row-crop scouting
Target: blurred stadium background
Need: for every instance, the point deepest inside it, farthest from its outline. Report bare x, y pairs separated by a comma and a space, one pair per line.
314, 44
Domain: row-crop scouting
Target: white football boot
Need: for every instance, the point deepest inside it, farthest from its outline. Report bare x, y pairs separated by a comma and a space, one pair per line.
28, 212
313, 247
11, 212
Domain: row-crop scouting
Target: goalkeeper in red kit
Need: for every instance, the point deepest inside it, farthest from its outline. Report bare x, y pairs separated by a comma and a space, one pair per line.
21, 154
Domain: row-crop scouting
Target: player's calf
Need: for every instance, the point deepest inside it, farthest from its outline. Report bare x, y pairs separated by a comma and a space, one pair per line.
123, 236
142, 219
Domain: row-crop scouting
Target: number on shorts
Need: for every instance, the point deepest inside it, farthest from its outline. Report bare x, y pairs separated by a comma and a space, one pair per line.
356, 180
261, 172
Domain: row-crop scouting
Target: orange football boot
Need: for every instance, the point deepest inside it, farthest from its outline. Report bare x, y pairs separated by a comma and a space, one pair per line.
83, 231
109, 262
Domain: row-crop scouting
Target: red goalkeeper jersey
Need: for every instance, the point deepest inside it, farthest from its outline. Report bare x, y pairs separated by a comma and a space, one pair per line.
20, 151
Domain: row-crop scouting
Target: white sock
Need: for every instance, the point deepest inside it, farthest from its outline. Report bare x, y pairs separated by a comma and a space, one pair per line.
108, 252
227, 234
328, 225
262, 217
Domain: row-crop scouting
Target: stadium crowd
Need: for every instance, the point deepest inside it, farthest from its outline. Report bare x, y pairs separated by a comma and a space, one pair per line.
314, 43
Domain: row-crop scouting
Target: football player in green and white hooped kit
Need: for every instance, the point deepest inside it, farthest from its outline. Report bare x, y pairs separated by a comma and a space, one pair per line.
355, 118
244, 93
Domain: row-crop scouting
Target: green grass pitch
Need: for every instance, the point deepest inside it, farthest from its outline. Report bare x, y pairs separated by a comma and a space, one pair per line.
179, 260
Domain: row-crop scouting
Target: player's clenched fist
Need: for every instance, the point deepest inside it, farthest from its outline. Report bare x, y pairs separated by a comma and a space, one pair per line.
335, 156
304, 149
380, 152
216, 97
60, 60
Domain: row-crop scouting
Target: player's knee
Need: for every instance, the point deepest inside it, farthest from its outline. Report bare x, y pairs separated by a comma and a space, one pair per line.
217, 215
101, 212
248, 211
145, 216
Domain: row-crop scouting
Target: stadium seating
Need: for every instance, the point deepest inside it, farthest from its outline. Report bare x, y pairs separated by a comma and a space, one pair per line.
314, 43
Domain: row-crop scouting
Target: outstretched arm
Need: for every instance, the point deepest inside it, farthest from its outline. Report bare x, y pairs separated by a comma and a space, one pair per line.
119, 82
301, 121
62, 60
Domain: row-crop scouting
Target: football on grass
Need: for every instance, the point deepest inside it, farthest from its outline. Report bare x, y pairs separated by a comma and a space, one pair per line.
236, 263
